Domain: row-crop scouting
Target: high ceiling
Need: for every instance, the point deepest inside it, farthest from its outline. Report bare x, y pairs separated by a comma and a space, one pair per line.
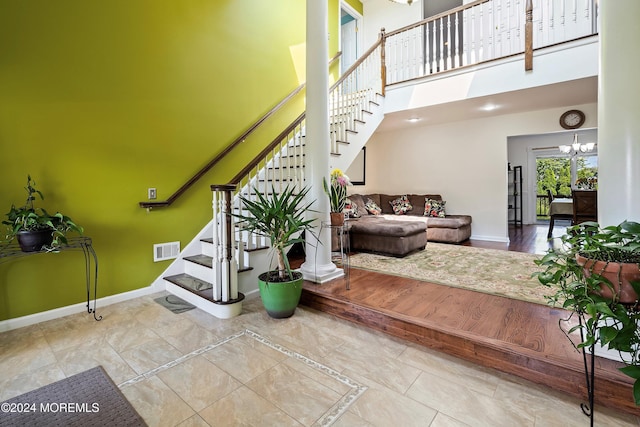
575, 92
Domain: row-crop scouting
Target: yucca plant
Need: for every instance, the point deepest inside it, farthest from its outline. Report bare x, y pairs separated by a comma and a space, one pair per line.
281, 218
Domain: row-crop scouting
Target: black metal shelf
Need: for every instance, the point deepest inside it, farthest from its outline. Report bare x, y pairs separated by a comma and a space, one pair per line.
514, 203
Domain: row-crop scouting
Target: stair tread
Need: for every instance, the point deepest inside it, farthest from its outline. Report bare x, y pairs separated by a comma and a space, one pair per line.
201, 259
189, 283
185, 281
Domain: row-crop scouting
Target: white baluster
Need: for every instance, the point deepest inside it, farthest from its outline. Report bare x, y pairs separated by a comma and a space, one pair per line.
449, 41
434, 50
217, 279
473, 37
224, 271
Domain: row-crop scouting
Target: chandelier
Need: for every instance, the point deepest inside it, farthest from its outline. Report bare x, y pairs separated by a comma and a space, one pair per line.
576, 147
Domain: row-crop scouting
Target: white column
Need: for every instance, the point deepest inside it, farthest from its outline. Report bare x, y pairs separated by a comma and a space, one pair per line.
619, 113
318, 266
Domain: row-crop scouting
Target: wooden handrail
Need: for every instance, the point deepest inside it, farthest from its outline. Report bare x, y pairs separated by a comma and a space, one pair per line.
260, 156
206, 168
358, 62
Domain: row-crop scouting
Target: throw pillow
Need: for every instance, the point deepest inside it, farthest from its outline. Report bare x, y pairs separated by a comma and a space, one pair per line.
372, 207
351, 208
434, 207
401, 205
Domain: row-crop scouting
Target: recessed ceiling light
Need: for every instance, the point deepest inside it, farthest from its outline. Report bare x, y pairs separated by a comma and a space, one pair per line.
414, 119
489, 107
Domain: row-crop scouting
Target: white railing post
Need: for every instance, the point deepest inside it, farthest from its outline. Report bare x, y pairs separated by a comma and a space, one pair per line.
217, 279
225, 283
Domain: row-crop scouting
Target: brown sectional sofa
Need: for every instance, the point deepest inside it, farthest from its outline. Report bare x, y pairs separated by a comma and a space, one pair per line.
401, 234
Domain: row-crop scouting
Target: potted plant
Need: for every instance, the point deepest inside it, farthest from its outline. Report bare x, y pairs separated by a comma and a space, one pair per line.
596, 274
281, 218
35, 228
337, 192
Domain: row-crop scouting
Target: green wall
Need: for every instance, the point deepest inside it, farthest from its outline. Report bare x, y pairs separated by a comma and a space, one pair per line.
100, 100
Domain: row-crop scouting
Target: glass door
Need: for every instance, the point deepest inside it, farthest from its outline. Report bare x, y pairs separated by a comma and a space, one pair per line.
560, 173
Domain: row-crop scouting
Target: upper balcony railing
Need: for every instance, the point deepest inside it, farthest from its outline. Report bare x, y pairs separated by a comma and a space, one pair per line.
482, 31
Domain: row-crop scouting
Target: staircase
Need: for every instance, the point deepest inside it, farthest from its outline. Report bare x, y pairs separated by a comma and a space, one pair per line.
221, 259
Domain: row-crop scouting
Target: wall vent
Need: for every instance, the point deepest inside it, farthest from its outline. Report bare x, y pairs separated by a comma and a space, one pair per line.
164, 251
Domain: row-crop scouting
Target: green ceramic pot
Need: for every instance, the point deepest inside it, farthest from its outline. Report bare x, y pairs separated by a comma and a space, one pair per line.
280, 299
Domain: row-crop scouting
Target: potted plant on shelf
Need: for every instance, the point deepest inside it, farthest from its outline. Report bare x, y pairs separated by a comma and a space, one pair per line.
281, 218
596, 274
337, 192
34, 227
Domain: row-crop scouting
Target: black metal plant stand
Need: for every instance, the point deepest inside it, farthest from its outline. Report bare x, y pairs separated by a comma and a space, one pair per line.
589, 370
588, 358
84, 244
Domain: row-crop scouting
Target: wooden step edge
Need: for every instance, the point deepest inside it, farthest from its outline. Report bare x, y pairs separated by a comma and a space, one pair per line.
612, 391
259, 248
280, 180
285, 167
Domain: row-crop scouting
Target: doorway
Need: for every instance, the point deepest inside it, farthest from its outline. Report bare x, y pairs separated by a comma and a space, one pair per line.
350, 36
562, 173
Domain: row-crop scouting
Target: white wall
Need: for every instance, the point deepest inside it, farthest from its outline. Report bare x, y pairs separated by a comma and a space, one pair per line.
464, 161
388, 15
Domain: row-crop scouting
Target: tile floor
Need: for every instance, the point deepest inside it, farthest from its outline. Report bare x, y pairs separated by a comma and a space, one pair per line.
191, 369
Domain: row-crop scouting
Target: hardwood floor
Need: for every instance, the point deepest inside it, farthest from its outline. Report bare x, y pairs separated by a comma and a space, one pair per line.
512, 336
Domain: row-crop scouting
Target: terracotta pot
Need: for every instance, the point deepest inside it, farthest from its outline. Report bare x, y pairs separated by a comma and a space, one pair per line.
619, 274
337, 218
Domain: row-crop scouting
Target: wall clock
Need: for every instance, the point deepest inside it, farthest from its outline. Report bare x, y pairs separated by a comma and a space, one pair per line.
572, 119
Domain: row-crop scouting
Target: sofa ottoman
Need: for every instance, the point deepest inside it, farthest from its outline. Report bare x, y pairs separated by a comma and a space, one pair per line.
451, 229
397, 238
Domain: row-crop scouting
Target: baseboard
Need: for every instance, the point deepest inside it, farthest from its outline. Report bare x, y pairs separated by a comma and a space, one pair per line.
32, 319
490, 238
